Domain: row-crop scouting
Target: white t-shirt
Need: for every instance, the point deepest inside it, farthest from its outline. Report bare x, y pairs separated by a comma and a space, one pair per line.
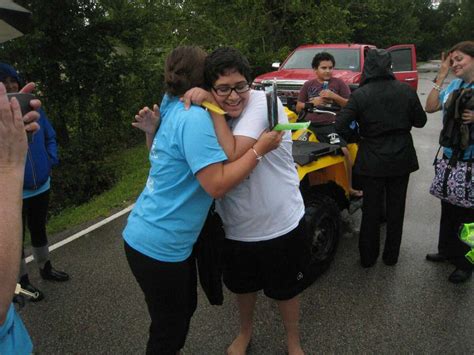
268, 204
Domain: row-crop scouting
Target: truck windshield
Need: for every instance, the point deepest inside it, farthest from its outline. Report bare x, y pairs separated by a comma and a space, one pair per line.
346, 59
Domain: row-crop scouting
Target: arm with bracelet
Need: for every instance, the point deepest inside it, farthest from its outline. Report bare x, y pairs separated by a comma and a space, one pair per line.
433, 103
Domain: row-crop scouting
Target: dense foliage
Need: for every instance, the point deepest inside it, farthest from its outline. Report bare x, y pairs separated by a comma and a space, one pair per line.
97, 61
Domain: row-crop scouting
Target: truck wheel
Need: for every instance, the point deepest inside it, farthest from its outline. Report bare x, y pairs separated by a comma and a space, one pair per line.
323, 221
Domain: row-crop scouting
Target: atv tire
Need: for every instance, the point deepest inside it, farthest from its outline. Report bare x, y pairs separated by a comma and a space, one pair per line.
323, 221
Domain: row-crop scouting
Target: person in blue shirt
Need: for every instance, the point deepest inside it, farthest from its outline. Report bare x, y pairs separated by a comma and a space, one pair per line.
460, 60
14, 338
41, 157
188, 169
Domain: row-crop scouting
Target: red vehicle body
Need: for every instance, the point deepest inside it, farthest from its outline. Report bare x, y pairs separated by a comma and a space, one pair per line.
296, 69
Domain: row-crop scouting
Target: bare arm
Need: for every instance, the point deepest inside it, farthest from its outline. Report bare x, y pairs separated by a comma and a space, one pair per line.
148, 121
13, 147
468, 116
331, 95
432, 101
219, 178
233, 146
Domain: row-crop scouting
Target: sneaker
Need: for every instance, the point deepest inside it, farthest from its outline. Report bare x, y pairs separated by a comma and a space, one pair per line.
50, 273
334, 138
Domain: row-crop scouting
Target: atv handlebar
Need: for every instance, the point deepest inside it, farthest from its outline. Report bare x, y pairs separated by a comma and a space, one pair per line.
332, 110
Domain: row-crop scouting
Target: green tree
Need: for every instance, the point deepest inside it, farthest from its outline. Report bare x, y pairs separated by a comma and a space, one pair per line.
460, 26
383, 22
88, 60
97, 62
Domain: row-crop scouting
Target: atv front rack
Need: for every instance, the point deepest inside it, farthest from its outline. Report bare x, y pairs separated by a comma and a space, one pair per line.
305, 152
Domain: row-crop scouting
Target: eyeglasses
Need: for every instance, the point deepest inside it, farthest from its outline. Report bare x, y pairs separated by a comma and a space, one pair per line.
227, 90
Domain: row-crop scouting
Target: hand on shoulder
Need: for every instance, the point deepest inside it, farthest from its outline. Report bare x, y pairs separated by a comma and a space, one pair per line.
197, 96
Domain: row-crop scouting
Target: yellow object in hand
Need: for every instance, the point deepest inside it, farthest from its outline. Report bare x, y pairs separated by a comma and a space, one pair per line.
213, 108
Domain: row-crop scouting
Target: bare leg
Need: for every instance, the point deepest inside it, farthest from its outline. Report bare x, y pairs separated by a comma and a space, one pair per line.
347, 157
290, 313
246, 303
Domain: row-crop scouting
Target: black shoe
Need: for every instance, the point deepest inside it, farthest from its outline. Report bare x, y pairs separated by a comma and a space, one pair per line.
367, 264
26, 285
390, 261
436, 257
390, 258
459, 276
19, 300
50, 273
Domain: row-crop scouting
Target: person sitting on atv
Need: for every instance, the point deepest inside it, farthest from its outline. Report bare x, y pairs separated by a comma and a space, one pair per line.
327, 94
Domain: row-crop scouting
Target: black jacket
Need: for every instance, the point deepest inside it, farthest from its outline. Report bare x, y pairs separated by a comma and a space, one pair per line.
209, 249
385, 110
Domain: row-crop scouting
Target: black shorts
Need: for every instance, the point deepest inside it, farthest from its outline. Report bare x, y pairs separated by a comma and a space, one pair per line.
324, 132
277, 265
171, 296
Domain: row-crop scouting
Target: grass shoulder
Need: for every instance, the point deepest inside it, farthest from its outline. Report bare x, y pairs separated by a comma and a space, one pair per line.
132, 166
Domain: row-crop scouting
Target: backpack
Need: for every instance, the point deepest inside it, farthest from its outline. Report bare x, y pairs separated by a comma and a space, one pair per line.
455, 134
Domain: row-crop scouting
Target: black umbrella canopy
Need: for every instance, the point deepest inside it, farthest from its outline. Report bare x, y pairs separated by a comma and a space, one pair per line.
14, 20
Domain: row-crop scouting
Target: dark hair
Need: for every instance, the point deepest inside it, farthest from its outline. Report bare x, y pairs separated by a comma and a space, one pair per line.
224, 61
321, 56
184, 69
466, 47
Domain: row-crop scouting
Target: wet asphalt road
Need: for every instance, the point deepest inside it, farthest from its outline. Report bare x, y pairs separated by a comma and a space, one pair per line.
407, 308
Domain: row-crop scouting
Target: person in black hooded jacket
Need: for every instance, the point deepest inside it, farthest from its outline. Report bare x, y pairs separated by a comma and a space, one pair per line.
385, 110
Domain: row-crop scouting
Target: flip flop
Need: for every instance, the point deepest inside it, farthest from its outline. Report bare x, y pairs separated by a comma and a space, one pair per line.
356, 193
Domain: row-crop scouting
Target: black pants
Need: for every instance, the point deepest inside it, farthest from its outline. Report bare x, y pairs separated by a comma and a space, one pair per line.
171, 296
449, 244
394, 188
35, 212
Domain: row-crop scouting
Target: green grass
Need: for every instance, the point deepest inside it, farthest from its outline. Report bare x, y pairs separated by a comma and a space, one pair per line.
133, 166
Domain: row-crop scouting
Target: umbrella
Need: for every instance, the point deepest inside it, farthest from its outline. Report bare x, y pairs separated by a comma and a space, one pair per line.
14, 20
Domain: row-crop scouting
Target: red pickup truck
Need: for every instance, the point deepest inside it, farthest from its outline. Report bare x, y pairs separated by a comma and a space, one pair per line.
296, 69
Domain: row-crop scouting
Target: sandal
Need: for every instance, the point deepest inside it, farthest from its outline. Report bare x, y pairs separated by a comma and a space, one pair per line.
356, 193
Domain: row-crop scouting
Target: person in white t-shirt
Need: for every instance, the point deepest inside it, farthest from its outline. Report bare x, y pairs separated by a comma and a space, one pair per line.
266, 247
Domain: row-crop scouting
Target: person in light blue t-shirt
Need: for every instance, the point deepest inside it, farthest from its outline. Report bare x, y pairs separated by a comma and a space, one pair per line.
14, 338
187, 172
460, 60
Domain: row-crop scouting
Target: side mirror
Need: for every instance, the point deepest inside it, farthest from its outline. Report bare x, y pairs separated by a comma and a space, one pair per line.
276, 65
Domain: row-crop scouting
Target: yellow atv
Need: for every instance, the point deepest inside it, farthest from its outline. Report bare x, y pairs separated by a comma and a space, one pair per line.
325, 188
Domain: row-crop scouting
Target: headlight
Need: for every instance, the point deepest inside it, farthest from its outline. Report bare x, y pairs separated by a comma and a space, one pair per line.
257, 86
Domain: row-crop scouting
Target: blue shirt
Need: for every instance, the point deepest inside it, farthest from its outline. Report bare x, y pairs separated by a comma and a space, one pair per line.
43, 188
443, 97
171, 210
14, 338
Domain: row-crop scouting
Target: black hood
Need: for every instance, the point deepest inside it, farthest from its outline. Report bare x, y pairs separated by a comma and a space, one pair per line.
378, 65
7, 70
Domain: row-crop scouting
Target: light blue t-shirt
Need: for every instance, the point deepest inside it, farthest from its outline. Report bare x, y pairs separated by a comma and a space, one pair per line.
14, 338
43, 188
443, 97
171, 210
